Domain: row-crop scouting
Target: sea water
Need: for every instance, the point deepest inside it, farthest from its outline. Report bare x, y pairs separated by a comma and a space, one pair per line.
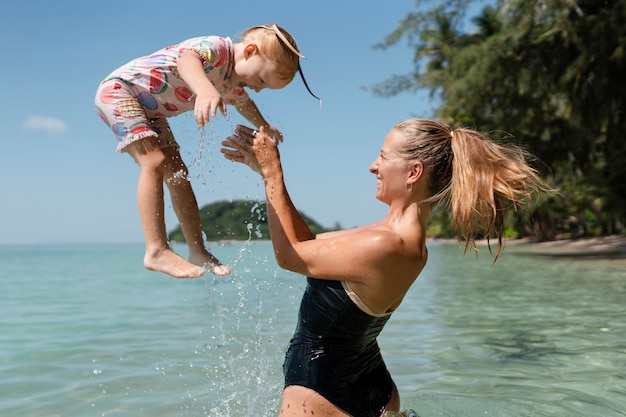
86, 331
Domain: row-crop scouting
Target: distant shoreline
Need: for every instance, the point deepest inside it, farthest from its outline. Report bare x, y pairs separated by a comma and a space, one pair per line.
588, 246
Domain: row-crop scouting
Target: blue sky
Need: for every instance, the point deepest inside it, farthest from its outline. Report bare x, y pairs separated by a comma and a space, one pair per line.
62, 180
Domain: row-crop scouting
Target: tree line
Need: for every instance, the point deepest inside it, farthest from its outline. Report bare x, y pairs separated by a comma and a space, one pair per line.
547, 75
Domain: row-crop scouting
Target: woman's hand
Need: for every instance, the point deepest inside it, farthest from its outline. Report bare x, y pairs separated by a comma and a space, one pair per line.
254, 148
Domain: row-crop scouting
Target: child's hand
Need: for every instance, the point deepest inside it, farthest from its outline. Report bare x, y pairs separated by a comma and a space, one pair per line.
208, 99
207, 103
273, 132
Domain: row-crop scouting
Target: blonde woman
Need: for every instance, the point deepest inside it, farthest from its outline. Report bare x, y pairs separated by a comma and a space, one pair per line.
357, 278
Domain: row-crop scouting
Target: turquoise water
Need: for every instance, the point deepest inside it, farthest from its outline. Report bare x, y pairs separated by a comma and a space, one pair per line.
86, 331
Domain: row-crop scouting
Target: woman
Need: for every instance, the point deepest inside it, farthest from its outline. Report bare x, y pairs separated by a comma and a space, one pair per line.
357, 278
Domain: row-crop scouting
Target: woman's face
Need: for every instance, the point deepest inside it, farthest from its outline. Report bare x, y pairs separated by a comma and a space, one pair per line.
390, 168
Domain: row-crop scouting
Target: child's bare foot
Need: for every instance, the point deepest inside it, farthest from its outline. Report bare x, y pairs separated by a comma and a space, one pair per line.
168, 262
211, 263
219, 270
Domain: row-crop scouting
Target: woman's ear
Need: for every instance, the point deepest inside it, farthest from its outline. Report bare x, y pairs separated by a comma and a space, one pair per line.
416, 172
249, 50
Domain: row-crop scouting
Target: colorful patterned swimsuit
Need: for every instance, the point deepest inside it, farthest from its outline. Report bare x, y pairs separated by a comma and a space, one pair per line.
135, 99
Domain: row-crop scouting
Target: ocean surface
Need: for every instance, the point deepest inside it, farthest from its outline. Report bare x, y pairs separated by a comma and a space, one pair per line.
86, 331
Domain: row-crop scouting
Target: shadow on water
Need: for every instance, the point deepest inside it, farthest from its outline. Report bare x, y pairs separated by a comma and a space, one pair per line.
523, 347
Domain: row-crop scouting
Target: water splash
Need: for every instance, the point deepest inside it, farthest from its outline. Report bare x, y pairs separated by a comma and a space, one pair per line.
202, 144
255, 227
181, 174
239, 361
247, 378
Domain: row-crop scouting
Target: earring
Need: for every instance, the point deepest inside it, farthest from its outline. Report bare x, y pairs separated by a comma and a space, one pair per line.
408, 187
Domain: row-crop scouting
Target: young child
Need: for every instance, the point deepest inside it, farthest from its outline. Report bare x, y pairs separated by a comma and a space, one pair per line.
201, 74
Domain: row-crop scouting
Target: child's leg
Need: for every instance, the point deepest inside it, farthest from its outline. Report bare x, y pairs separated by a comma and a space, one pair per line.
186, 208
148, 139
159, 256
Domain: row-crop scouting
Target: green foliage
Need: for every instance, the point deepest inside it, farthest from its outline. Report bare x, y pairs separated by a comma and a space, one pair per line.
439, 224
237, 220
550, 73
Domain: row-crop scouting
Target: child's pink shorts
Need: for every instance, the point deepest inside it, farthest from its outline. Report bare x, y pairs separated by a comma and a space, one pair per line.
119, 106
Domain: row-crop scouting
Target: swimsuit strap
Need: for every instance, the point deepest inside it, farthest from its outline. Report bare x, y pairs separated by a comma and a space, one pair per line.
359, 302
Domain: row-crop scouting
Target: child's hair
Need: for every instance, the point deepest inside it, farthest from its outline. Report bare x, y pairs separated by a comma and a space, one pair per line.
477, 178
276, 44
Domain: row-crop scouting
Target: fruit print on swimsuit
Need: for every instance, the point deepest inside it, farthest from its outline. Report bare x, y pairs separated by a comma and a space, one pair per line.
158, 81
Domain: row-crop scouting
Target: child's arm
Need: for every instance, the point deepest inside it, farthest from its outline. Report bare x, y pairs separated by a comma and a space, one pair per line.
208, 99
250, 111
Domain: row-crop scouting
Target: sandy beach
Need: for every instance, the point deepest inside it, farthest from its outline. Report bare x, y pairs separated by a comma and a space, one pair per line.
613, 246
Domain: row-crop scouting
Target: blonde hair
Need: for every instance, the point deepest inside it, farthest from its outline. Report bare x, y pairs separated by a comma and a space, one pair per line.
276, 44
477, 178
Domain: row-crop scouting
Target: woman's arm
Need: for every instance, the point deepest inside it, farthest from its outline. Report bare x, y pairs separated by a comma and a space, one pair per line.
376, 260
262, 155
357, 254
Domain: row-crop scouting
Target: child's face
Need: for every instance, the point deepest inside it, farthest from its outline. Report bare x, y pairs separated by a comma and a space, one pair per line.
256, 73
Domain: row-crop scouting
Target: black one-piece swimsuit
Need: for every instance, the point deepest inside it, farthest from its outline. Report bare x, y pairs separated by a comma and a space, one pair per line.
335, 353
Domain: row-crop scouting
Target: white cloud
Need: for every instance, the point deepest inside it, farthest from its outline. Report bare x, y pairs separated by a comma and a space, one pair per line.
49, 124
